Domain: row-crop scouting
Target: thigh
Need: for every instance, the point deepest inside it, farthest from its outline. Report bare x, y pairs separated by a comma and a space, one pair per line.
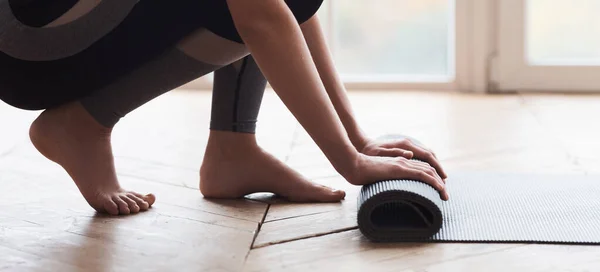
196, 55
149, 29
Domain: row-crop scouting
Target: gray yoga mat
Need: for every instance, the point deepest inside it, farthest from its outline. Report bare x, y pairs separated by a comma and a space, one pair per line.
484, 207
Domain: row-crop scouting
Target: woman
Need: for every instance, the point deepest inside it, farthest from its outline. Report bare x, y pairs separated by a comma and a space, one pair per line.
90, 62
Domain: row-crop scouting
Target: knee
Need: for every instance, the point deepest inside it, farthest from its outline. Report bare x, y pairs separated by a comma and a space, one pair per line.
207, 47
22, 100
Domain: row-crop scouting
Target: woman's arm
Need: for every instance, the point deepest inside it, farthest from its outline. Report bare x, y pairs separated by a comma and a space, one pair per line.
275, 40
333, 84
337, 93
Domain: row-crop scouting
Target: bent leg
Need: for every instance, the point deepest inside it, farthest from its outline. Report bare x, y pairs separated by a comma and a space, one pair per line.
234, 165
190, 60
76, 135
237, 95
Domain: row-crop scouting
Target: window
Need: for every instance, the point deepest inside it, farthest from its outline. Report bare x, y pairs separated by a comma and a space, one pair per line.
392, 40
563, 32
549, 45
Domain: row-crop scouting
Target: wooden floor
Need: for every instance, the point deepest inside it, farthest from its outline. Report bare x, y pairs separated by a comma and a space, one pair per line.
45, 225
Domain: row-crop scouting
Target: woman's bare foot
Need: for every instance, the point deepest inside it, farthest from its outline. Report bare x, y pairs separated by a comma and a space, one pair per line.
69, 136
234, 166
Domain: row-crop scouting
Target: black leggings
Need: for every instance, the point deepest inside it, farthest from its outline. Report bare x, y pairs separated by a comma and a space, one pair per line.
117, 55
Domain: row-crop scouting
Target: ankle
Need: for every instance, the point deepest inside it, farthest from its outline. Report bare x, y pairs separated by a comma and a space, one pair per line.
78, 122
226, 142
80, 115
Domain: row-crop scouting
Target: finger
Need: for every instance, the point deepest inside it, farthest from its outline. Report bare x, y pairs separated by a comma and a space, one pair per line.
425, 168
429, 168
445, 195
396, 152
401, 143
426, 155
422, 172
424, 177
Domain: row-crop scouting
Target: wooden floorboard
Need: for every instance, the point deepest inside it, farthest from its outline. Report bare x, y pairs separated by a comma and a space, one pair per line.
45, 225
350, 251
15, 260
522, 258
143, 242
516, 133
572, 120
473, 133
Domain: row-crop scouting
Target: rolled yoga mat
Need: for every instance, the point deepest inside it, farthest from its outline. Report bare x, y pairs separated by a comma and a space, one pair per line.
484, 207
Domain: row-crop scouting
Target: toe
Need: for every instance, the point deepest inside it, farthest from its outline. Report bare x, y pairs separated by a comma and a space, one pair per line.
339, 194
327, 194
111, 207
133, 207
149, 198
317, 193
123, 206
140, 202
322, 193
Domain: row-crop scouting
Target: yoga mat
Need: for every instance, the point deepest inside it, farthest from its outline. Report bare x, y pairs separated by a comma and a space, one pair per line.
484, 207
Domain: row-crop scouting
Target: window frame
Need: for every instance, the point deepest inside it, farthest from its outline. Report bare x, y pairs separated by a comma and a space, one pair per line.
513, 72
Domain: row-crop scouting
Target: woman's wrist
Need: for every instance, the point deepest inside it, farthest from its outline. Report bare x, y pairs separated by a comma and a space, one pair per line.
359, 140
345, 162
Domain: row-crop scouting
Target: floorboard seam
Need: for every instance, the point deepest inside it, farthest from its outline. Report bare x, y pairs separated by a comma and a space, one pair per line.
7, 152
41, 257
287, 157
305, 237
256, 234
208, 223
529, 108
214, 213
414, 268
298, 216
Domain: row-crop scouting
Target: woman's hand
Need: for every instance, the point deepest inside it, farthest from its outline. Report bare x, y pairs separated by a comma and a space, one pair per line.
334, 86
402, 148
369, 169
